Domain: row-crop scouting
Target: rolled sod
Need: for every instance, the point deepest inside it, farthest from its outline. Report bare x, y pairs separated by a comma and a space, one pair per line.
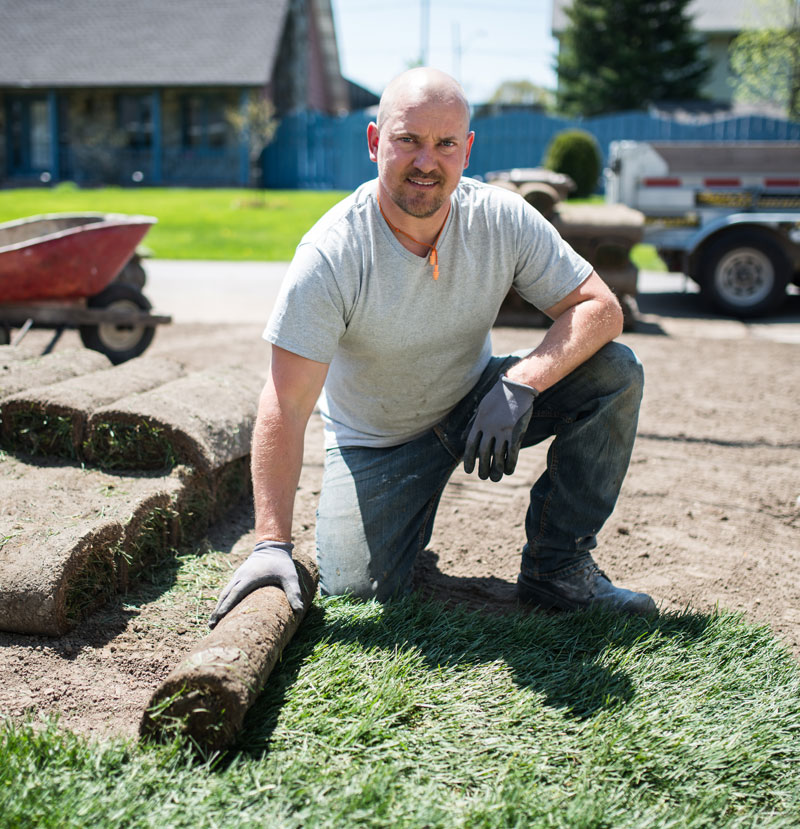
204, 420
71, 537
52, 419
208, 694
18, 375
13, 354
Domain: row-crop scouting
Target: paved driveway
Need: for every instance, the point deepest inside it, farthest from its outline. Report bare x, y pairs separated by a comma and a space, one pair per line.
209, 292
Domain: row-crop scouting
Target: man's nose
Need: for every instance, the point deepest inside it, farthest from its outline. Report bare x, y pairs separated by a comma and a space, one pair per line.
424, 160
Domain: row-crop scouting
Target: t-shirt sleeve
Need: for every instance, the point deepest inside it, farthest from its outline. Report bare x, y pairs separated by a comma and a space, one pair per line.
309, 316
548, 269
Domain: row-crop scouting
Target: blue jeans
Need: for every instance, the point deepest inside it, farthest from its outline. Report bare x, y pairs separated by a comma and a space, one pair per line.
377, 506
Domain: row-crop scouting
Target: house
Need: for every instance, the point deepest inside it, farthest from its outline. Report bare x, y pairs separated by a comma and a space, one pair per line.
717, 21
138, 90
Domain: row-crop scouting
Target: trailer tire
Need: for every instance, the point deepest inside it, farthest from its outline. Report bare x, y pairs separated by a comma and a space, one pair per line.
5, 334
118, 342
744, 274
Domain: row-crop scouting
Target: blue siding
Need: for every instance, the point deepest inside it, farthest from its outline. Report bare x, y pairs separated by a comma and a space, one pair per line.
318, 152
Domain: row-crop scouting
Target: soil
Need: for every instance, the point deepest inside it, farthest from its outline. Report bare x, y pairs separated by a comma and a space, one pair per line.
709, 516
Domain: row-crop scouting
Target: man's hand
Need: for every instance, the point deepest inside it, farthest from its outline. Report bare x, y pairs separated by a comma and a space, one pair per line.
269, 563
496, 429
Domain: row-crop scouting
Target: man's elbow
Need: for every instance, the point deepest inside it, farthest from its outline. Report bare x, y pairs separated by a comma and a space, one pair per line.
615, 319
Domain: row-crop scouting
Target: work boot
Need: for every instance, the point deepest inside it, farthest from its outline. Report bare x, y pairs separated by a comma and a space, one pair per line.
588, 587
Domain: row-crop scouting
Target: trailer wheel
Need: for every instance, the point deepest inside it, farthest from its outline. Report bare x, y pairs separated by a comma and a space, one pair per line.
118, 342
5, 334
745, 274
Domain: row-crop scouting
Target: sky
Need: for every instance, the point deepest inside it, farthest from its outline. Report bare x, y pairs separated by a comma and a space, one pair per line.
480, 42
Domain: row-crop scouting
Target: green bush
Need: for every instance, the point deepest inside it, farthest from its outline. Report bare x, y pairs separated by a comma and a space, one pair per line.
576, 154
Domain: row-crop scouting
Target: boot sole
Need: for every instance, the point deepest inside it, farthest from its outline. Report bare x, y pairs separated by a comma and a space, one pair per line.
530, 594
546, 599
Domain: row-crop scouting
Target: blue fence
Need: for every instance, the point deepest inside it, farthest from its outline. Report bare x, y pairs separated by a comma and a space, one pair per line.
318, 152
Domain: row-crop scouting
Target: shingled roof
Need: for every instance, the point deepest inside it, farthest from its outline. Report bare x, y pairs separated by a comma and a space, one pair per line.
98, 43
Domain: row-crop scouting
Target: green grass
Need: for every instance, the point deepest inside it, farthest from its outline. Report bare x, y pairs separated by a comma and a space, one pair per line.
233, 225
221, 224
415, 715
38, 432
137, 445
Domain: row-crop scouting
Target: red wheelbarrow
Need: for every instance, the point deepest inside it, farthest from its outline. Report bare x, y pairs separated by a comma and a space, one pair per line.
77, 270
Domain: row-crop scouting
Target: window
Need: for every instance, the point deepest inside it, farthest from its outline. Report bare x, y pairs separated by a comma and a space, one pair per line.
136, 120
203, 122
29, 134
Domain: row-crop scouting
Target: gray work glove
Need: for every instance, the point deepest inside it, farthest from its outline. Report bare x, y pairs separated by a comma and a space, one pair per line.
269, 563
495, 432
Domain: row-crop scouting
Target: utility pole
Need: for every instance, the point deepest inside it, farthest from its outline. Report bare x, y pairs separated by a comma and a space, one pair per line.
457, 50
424, 31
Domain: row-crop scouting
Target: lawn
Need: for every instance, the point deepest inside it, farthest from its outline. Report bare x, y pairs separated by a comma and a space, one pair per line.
232, 225
415, 715
192, 224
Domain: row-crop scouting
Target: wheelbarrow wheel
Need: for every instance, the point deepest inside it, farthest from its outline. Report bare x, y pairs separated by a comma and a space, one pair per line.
133, 273
118, 342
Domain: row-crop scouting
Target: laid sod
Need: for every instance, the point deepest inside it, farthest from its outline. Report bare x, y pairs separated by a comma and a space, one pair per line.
416, 715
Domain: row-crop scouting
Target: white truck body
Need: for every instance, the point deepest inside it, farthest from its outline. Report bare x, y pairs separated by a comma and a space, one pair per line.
725, 214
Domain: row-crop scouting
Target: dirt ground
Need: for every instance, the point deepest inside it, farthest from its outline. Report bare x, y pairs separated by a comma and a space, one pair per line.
709, 514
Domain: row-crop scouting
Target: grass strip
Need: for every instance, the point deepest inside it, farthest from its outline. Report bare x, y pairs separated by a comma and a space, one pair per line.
415, 715
136, 445
38, 432
95, 581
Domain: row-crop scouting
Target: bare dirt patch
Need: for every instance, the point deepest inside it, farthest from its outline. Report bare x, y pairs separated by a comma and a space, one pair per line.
708, 516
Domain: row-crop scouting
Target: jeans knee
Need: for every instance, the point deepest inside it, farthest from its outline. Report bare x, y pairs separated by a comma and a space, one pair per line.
623, 370
336, 585
359, 586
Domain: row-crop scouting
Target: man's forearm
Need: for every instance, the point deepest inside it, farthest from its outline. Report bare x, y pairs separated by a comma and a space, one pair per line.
277, 459
575, 335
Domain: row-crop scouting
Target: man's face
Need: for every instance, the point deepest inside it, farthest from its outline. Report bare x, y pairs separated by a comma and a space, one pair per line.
421, 150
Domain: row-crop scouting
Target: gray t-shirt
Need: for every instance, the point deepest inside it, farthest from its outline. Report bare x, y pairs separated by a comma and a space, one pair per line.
404, 349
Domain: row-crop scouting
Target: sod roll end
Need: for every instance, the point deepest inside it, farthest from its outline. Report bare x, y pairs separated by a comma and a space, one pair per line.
206, 697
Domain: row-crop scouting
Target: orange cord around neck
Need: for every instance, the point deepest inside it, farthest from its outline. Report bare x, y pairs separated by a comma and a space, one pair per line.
434, 256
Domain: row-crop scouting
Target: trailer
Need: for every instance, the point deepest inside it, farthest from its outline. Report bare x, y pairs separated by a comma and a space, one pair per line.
725, 214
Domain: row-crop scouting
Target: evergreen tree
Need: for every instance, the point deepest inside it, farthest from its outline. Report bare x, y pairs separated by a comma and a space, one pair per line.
626, 54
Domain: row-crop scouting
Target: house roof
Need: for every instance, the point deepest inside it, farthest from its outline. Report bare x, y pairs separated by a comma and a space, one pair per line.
710, 16
97, 43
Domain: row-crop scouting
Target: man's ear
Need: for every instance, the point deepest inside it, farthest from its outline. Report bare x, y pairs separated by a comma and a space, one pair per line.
470, 139
372, 140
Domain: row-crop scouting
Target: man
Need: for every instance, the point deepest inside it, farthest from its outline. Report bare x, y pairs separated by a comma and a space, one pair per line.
386, 313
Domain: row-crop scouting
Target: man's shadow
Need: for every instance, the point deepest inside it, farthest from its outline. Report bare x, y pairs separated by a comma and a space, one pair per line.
573, 661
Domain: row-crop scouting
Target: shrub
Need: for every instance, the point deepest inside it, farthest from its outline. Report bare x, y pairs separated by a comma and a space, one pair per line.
575, 153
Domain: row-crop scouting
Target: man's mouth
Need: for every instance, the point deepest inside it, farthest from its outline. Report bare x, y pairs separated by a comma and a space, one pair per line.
423, 182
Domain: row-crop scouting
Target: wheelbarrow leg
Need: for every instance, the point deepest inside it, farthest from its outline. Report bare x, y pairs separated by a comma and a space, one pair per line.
56, 337
20, 335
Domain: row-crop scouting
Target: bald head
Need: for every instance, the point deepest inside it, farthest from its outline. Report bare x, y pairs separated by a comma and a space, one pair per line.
419, 86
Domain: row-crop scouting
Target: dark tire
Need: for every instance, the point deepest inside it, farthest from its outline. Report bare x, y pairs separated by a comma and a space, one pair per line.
118, 342
744, 274
5, 334
133, 274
